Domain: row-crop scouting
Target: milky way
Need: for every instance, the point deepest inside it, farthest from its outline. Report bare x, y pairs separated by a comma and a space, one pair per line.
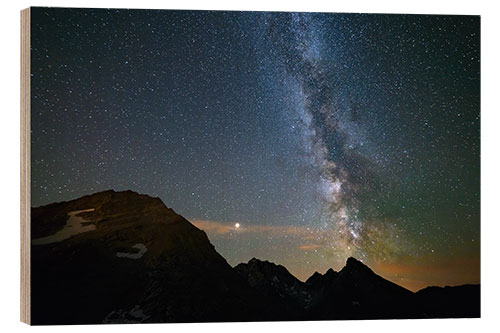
322, 114
321, 135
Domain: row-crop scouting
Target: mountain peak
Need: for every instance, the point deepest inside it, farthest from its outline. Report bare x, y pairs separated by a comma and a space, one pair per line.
318, 279
263, 265
355, 266
351, 261
313, 278
257, 261
138, 244
136, 247
276, 282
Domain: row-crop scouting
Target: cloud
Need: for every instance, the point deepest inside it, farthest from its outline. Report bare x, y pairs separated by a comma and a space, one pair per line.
308, 247
222, 228
213, 227
305, 238
419, 272
328, 248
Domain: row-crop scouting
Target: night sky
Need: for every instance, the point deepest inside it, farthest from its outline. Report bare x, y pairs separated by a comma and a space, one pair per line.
322, 135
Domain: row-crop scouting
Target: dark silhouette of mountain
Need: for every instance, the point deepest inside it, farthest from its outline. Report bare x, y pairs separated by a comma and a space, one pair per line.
356, 292
94, 277
318, 285
450, 302
117, 257
276, 282
317, 279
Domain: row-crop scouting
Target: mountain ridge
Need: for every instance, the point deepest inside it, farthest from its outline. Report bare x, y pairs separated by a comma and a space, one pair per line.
142, 262
164, 282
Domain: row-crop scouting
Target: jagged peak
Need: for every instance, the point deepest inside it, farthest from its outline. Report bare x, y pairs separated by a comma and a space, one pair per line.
316, 274
259, 264
355, 266
129, 192
314, 277
353, 261
256, 261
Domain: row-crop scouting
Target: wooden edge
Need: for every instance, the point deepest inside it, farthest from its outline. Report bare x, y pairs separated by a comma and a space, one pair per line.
25, 166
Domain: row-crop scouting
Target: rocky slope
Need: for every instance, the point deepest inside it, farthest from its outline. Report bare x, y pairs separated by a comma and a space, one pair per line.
450, 302
356, 292
122, 257
141, 263
276, 282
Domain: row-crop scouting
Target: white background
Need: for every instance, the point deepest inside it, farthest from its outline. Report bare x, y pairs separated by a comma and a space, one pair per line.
490, 90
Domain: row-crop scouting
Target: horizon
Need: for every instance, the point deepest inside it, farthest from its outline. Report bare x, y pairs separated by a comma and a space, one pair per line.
301, 138
303, 278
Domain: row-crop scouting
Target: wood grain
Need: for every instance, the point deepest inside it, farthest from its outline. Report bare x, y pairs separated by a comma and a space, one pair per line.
25, 166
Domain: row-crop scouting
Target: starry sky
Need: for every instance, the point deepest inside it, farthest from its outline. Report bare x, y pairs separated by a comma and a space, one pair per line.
322, 135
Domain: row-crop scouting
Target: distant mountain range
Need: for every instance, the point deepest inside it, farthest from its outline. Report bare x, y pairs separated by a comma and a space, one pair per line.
123, 257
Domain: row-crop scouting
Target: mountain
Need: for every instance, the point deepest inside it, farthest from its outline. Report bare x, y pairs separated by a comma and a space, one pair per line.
356, 292
276, 282
318, 285
123, 257
132, 259
450, 302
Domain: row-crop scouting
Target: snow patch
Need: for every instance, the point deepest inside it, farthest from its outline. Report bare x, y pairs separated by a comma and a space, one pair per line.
74, 225
142, 249
136, 315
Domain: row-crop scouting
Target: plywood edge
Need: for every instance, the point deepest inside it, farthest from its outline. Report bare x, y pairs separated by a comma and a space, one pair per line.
25, 166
